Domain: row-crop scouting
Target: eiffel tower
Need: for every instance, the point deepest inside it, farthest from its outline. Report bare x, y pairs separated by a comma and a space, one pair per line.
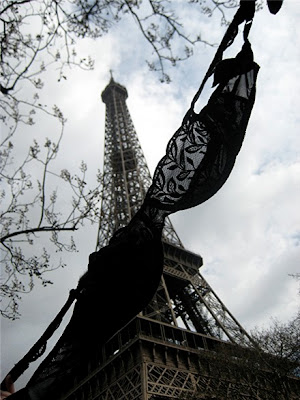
168, 351
184, 298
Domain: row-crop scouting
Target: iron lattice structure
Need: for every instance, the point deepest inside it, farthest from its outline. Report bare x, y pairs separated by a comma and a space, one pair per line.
169, 350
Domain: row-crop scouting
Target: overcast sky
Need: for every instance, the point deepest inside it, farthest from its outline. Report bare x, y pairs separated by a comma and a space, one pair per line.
249, 233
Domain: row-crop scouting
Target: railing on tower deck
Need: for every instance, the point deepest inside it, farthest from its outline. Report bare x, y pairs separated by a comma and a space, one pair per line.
143, 328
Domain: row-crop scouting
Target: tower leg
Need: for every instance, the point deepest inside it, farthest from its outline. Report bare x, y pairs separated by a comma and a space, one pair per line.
144, 379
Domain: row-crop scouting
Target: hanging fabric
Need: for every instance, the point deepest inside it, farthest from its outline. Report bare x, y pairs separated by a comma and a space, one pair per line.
202, 153
198, 160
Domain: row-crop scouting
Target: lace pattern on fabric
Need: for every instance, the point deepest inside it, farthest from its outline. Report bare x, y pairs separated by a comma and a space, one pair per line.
201, 154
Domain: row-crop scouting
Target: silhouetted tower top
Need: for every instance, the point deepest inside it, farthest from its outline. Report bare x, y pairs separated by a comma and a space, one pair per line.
113, 87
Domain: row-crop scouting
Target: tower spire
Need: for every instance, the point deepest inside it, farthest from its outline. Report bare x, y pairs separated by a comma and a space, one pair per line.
111, 75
